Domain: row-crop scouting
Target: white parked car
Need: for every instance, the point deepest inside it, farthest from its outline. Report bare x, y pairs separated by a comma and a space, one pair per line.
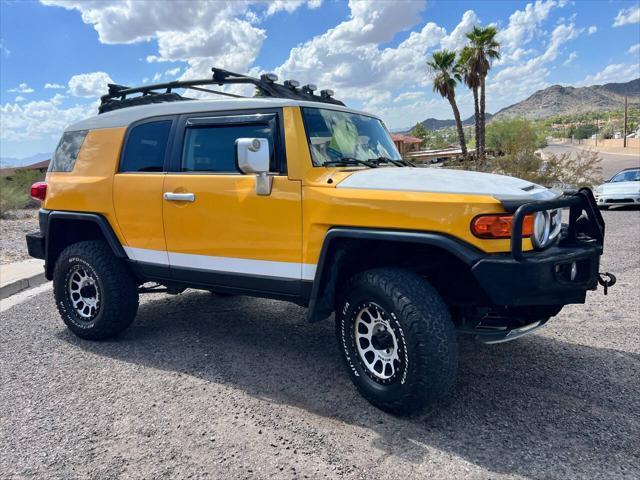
622, 189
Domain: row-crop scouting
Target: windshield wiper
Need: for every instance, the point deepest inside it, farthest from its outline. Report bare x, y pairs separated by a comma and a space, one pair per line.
397, 163
348, 161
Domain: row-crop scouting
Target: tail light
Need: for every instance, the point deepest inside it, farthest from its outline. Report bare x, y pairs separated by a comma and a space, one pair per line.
39, 191
499, 226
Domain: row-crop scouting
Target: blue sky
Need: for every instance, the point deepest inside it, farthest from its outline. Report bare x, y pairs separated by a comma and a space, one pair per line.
57, 55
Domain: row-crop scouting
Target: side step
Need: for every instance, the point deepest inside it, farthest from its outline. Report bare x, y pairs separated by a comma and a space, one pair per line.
490, 334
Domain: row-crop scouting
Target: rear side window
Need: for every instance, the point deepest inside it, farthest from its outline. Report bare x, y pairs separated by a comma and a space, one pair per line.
65, 156
212, 148
146, 146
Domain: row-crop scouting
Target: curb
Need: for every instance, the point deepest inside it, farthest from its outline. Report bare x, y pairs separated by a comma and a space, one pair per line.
22, 284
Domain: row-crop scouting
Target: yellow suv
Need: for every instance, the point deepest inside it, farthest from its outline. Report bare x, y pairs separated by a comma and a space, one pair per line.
290, 195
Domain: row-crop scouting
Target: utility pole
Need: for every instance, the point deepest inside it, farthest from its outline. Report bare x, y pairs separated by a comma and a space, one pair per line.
624, 135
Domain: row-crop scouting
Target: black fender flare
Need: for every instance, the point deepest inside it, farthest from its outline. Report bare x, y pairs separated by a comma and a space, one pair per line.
105, 228
320, 307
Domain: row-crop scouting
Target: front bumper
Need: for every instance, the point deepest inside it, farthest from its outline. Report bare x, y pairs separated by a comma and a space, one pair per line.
544, 278
610, 199
558, 275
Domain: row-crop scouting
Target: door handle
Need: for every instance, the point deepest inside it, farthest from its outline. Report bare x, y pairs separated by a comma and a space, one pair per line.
179, 197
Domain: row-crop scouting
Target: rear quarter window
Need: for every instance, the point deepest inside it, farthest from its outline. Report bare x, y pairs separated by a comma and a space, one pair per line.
146, 147
66, 154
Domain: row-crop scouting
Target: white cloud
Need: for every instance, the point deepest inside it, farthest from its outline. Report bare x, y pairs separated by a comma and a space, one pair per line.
409, 97
22, 88
37, 120
572, 56
54, 86
592, 29
627, 16
633, 49
524, 24
172, 72
290, 6
157, 76
194, 31
19, 98
458, 37
616, 73
89, 85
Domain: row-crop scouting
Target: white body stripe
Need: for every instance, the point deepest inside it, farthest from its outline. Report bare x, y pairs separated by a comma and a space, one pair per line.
159, 257
247, 266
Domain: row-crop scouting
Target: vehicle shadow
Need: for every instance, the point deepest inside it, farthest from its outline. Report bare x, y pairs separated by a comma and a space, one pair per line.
538, 407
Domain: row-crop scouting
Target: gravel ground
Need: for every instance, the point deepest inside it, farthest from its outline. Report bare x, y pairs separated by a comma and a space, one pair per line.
13, 246
209, 387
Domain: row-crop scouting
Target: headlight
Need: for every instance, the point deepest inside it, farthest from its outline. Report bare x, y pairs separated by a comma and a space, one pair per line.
598, 189
546, 228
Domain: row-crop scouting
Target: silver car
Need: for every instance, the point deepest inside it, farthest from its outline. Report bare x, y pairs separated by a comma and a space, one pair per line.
622, 189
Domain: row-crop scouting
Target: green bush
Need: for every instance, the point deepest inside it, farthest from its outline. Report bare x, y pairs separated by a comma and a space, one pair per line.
14, 191
514, 136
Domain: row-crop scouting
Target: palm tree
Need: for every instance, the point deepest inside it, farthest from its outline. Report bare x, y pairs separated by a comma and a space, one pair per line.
484, 49
472, 81
444, 74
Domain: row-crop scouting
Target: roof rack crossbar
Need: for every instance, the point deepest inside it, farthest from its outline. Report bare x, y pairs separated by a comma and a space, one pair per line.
119, 95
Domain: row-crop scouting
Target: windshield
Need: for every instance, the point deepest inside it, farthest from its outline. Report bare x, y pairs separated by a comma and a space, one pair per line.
335, 135
627, 176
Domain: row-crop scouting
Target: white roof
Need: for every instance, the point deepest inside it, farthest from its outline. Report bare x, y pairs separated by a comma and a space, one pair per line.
124, 117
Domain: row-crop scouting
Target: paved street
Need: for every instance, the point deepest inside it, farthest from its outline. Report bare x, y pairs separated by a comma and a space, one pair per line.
612, 163
210, 387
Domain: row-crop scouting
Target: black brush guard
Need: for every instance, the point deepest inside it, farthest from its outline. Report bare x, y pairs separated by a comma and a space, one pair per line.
525, 288
580, 229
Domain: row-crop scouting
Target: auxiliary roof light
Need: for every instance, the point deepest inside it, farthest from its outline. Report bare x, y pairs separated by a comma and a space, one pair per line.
269, 77
326, 93
291, 83
310, 88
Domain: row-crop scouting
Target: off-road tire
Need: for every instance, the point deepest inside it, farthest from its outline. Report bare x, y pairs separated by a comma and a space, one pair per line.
422, 324
603, 207
116, 287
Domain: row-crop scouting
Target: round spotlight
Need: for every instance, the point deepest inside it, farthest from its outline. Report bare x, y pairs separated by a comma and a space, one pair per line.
327, 93
269, 77
291, 83
310, 87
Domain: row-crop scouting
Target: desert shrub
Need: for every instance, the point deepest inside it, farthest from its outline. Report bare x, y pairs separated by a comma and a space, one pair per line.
565, 171
14, 191
514, 136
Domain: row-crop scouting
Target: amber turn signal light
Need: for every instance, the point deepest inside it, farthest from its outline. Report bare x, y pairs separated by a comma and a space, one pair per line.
499, 226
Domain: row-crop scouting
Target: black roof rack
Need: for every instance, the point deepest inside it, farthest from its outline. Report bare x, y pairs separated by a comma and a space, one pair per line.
120, 96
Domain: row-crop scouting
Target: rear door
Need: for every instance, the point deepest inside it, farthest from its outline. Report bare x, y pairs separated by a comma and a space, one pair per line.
218, 230
137, 191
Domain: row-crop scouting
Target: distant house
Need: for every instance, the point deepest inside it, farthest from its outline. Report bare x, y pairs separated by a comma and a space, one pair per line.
40, 166
406, 143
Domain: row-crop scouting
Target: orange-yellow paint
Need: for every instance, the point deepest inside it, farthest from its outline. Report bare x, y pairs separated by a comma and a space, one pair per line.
89, 187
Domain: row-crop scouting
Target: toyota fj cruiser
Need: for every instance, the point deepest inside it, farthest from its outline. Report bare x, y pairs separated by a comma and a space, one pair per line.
291, 195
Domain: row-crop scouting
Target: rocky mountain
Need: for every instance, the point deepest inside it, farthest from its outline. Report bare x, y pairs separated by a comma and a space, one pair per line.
559, 100
6, 162
437, 124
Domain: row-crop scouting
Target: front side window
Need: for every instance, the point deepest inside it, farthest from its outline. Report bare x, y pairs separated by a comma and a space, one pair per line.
146, 146
334, 135
212, 148
66, 154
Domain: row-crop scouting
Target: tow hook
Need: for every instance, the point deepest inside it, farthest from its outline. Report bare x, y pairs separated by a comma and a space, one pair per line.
607, 280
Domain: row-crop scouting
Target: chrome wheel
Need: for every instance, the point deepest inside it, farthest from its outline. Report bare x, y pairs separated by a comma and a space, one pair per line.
84, 292
377, 343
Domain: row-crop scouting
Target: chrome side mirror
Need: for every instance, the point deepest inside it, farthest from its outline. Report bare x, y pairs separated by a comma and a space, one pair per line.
253, 157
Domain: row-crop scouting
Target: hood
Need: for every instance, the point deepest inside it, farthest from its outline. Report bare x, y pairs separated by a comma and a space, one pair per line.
441, 180
619, 187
